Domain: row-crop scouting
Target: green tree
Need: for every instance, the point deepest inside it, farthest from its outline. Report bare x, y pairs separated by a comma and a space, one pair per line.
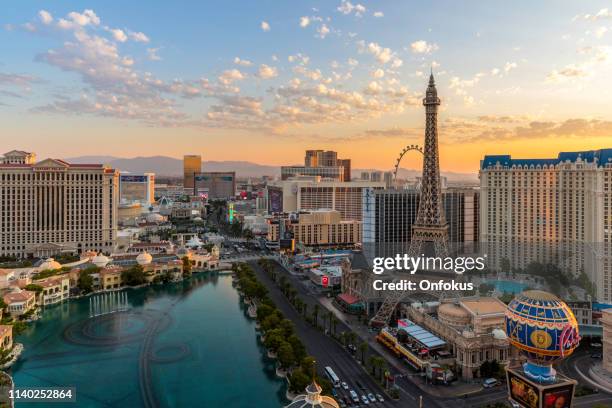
363, 348
32, 287
133, 276
299, 381
286, 357
186, 266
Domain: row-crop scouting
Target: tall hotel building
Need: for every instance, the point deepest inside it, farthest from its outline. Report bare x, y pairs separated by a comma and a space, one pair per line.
324, 164
550, 211
388, 216
192, 164
53, 206
312, 193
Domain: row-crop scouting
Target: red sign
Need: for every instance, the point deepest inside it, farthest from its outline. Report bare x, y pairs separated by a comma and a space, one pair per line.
325, 281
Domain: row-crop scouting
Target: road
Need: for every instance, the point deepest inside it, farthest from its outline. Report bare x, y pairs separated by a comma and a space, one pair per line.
328, 352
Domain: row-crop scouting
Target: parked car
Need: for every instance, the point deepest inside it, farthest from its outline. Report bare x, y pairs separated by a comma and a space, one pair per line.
380, 398
345, 385
371, 397
365, 400
354, 396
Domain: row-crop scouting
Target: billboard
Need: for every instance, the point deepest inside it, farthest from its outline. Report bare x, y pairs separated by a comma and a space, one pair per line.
559, 397
523, 392
275, 200
133, 179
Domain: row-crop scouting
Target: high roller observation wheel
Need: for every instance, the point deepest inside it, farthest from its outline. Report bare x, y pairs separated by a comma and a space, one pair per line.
405, 150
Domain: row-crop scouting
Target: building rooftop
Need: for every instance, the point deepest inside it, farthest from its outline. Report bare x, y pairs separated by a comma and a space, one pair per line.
601, 157
484, 306
21, 296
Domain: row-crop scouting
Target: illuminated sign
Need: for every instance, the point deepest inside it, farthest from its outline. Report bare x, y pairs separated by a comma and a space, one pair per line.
133, 179
231, 212
523, 392
325, 281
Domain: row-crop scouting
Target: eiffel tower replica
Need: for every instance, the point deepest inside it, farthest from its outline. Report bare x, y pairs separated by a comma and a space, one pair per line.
430, 226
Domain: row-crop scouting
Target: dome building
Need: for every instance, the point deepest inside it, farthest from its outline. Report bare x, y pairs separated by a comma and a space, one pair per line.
144, 258
313, 399
100, 260
49, 263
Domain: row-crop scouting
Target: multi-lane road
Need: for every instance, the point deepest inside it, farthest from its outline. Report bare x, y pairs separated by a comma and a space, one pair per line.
328, 352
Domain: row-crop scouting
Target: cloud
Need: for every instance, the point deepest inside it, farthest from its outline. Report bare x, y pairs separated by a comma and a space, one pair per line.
322, 31
569, 72
45, 17
152, 54
231, 75
265, 26
382, 54
88, 17
304, 21
600, 31
242, 62
603, 14
465, 131
378, 14
118, 35
394, 132
352, 62
378, 73
19, 80
267, 72
138, 36
423, 47
346, 7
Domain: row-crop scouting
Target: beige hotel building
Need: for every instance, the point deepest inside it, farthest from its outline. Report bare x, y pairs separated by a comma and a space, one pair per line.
550, 211
51, 206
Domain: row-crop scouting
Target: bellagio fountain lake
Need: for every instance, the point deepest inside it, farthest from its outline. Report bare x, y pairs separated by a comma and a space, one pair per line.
187, 344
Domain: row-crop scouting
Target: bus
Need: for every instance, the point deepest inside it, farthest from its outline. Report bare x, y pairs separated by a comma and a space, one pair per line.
332, 377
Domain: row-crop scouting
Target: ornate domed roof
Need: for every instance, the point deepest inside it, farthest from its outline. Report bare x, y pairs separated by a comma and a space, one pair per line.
313, 398
144, 258
453, 314
49, 263
499, 334
100, 260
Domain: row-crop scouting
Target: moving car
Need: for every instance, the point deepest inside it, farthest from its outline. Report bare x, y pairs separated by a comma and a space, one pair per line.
372, 397
354, 396
380, 398
490, 382
344, 385
365, 400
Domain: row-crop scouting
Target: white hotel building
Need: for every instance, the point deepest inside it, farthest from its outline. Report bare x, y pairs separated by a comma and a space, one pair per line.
51, 206
550, 210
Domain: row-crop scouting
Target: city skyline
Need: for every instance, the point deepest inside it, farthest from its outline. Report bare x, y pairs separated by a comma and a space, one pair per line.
271, 82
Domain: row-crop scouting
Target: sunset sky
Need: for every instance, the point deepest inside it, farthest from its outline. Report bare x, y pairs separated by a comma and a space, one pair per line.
264, 80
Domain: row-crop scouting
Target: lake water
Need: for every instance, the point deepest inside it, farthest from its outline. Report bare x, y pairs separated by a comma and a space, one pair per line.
187, 344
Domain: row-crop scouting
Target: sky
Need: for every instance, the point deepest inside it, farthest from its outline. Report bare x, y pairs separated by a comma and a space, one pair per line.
262, 81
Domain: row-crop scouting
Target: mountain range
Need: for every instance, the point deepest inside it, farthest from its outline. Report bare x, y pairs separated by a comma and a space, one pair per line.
169, 166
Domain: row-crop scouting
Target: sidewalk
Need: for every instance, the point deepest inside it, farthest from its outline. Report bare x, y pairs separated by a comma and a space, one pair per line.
456, 389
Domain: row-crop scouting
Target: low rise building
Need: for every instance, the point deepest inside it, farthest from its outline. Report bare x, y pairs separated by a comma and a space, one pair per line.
19, 302
316, 228
472, 328
110, 278
55, 290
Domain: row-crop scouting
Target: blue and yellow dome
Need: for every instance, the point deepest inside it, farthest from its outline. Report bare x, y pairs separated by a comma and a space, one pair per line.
542, 327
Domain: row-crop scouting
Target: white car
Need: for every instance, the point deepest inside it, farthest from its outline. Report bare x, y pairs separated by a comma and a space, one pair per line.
344, 385
354, 396
365, 400
380, 398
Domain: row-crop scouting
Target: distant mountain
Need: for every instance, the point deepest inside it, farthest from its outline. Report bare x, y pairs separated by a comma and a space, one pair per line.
169, 166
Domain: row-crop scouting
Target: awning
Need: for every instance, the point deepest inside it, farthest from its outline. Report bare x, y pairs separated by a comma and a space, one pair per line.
348, 299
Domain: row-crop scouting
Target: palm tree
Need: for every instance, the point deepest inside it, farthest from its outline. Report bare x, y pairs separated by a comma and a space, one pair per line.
333, 324
315, 315
363, 348
305, 309
372, 364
